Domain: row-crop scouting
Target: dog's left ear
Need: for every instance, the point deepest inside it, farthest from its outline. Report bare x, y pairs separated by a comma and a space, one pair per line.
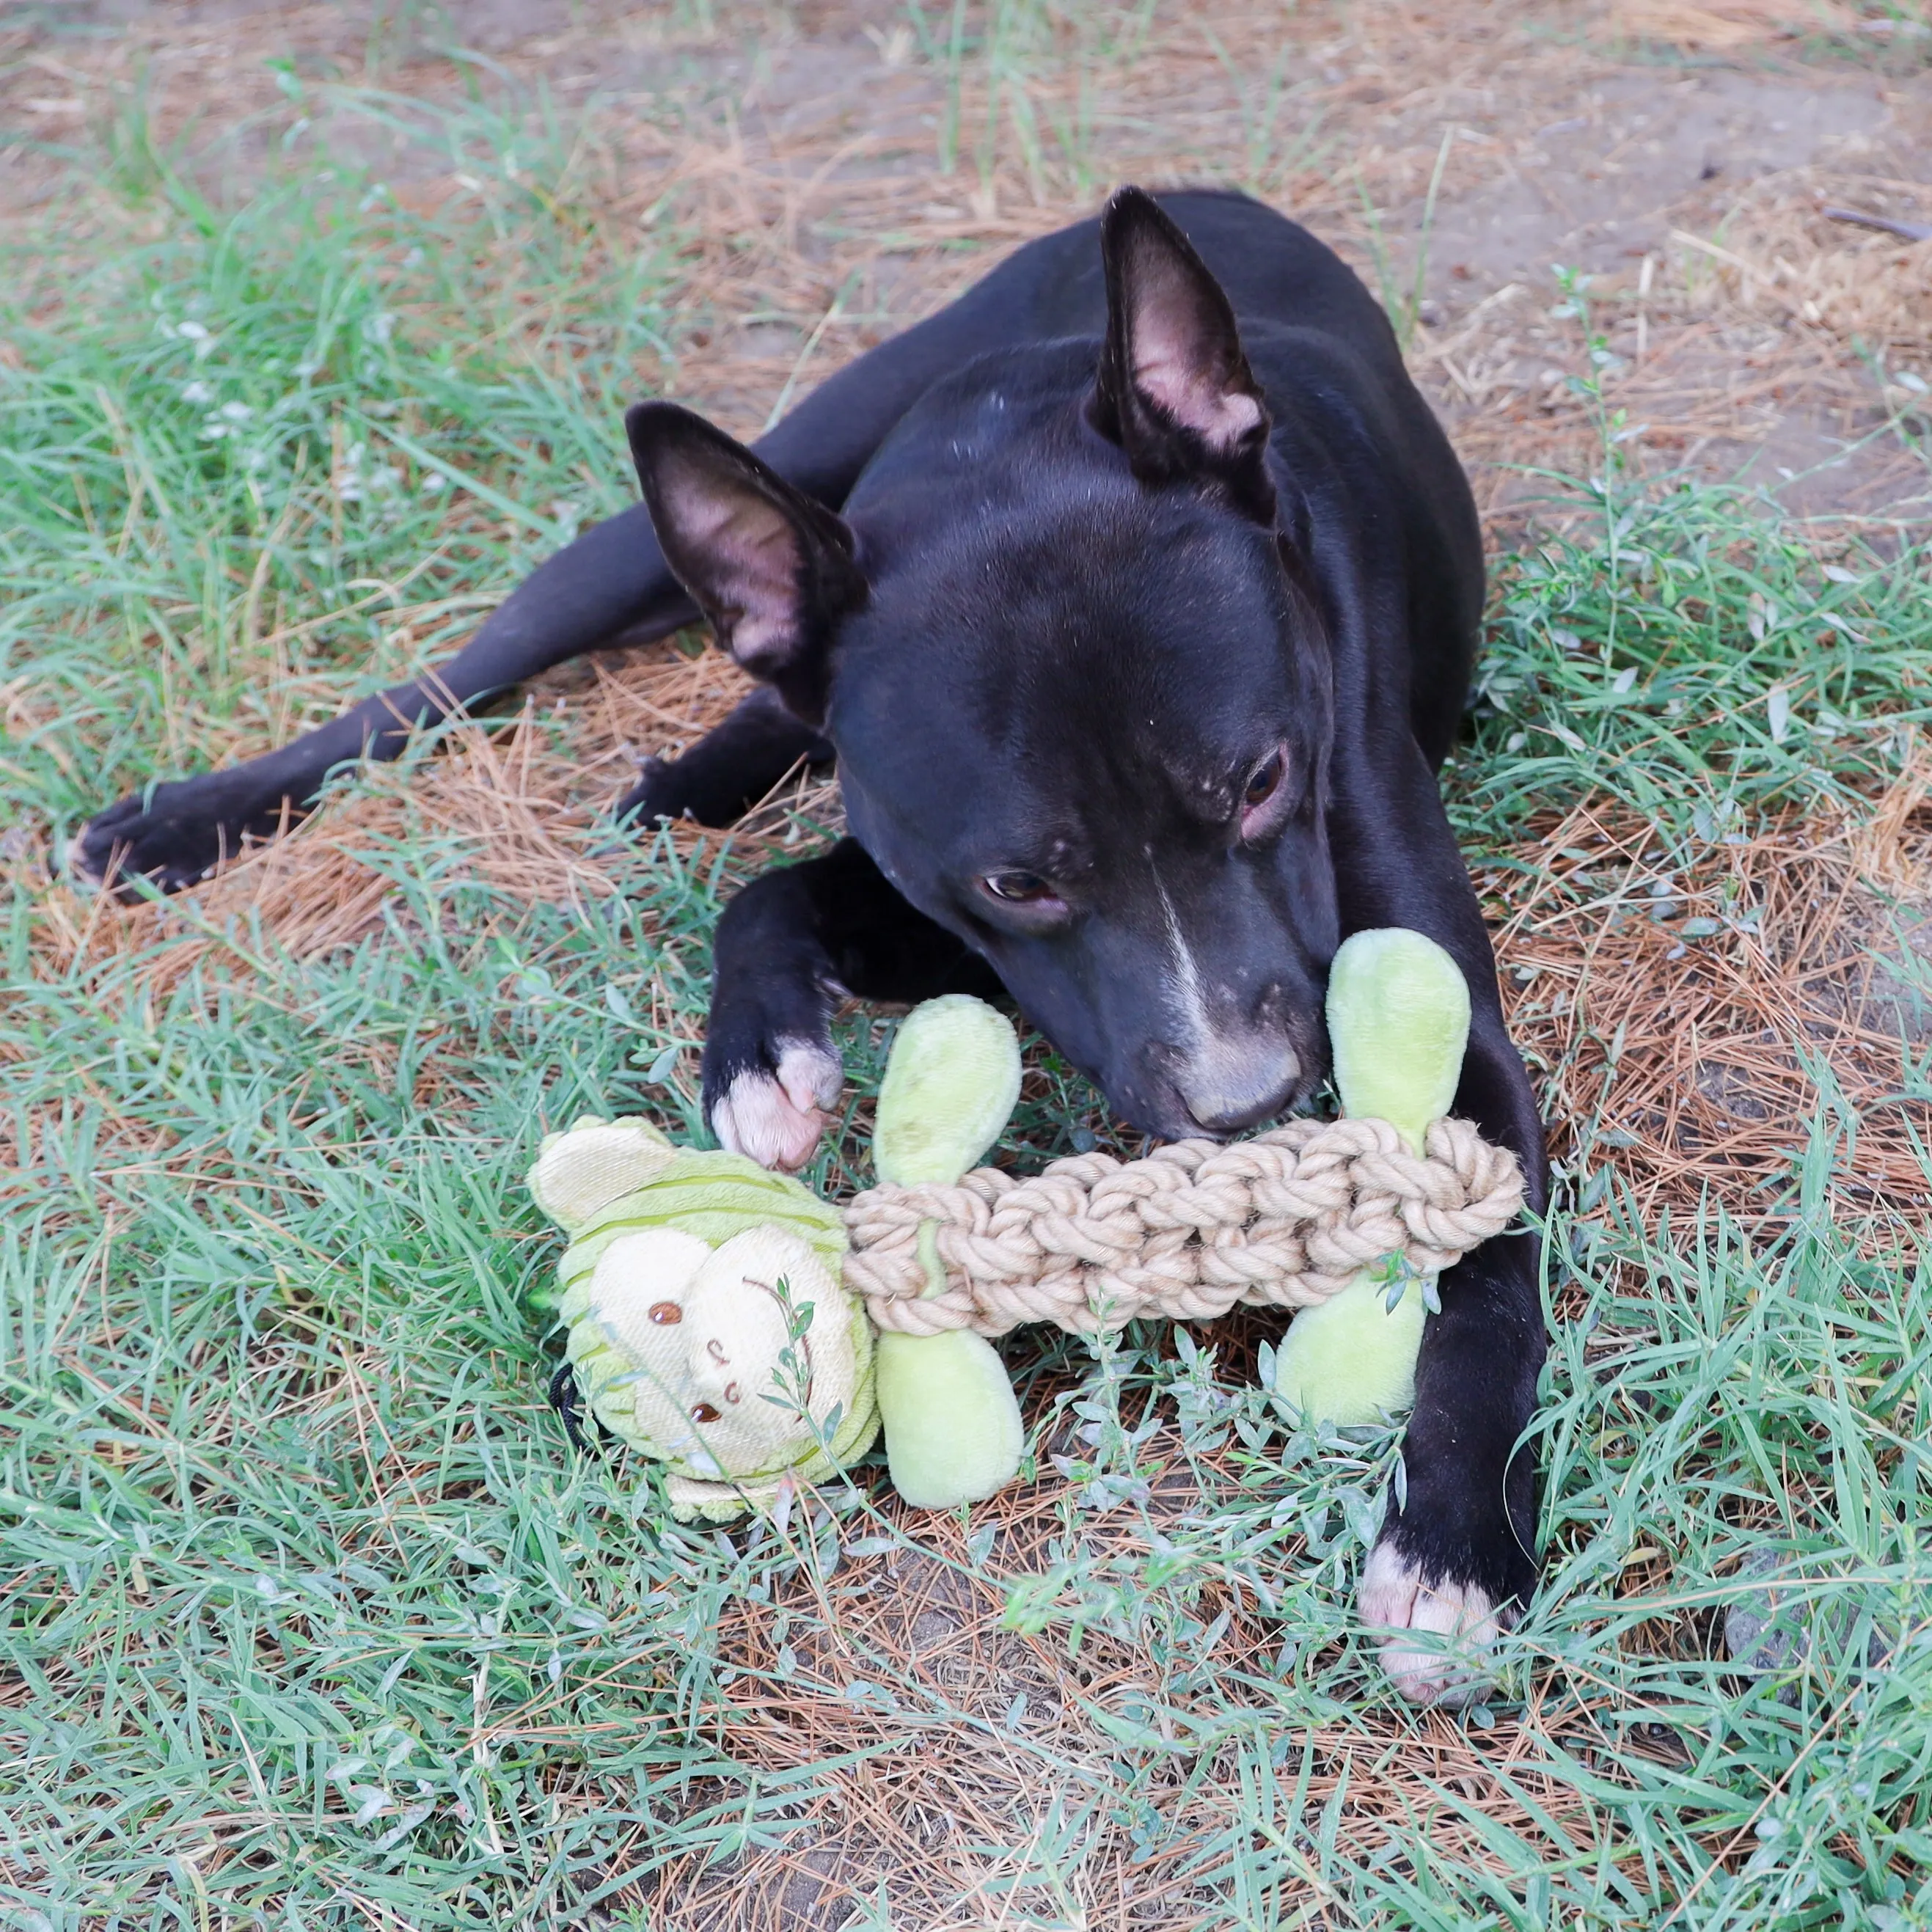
772, 570
1175, 390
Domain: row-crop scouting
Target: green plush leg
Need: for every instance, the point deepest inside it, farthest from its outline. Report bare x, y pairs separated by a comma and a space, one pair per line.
951, 1082
953, 1431
1398, 1022
1350, 1360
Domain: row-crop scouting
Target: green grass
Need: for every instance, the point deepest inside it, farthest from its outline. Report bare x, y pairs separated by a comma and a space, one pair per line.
311, 1616
1688, 652
998, 62
314, 416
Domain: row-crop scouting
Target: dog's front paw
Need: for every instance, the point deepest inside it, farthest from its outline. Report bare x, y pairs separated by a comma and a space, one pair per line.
172, 836
776, 1107
709, 785
669, 789
1437, 1630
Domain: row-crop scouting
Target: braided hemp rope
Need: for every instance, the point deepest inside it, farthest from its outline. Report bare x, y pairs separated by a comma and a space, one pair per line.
1284, 1220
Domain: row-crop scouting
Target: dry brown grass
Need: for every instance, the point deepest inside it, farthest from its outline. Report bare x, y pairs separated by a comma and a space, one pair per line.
1728, 24
1845, 292
1692, 1067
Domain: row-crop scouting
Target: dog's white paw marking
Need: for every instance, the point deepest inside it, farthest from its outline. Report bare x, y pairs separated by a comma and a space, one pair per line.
1455, 1625
778, 1122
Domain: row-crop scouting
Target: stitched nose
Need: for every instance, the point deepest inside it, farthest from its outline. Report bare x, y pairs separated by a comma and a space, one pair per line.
1234, 1084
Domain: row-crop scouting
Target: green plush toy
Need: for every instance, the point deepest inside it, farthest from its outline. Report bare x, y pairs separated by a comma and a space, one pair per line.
708, 1328
1398, 1022
710, 1324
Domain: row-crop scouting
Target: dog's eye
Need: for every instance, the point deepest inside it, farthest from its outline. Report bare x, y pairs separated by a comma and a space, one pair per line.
1017, 888
1262, 797
1264, 780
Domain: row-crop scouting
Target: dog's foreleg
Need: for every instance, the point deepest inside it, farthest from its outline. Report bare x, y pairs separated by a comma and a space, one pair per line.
1456, 1560
790, 946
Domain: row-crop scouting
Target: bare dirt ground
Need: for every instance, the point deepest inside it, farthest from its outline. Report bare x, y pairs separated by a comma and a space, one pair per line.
1681, 156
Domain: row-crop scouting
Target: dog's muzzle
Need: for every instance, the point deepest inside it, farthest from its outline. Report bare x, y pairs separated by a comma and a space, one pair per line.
1232, 1083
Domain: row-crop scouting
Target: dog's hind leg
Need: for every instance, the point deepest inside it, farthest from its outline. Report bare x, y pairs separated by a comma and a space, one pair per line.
790, 946
728, 770
610, 583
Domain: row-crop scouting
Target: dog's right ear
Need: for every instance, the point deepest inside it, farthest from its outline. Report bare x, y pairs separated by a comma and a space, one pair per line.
1174, 389
773, 571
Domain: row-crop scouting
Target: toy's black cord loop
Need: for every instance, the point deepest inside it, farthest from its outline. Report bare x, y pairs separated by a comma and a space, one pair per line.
564, 1399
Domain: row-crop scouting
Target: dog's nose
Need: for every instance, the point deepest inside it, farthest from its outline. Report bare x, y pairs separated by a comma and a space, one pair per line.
1234, 1084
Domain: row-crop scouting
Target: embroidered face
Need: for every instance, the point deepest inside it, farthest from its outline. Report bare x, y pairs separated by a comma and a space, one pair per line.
726, 1361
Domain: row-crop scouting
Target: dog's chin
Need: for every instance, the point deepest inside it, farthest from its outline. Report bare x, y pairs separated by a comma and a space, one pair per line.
1169, 1117
1189, 1128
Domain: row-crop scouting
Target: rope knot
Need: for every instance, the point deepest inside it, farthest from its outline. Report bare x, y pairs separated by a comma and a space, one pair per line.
1284, 1220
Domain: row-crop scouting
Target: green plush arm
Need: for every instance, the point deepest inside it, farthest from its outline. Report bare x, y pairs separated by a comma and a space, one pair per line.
1398, 1022
953, 1432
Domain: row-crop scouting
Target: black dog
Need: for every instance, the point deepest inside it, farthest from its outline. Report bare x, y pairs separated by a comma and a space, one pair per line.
1136, 594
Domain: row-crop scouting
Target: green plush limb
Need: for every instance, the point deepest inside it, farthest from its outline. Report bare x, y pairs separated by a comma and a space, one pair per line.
951, 1082
953, 1432
1398, 1023
1352, 1359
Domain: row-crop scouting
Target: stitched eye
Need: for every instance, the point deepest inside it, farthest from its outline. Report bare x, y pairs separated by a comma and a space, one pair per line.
1017, 888
1264, 780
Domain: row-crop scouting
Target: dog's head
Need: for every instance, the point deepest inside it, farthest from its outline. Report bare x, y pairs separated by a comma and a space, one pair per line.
1078, 685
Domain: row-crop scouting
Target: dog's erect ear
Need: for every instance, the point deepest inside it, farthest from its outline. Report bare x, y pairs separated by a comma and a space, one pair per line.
1175, 391
772, 570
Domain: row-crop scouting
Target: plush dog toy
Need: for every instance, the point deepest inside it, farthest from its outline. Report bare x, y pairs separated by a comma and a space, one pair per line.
709, 1327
